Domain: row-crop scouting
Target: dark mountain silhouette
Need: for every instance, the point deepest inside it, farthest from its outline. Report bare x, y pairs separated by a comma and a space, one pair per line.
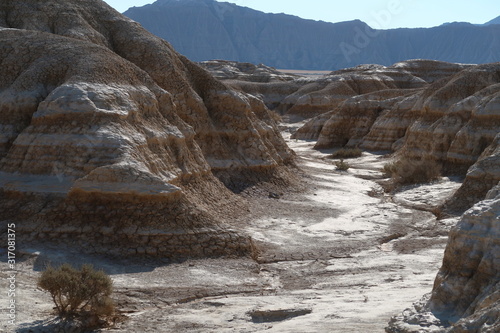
206, 29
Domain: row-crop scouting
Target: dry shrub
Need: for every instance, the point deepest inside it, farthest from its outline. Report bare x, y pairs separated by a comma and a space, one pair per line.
346, 153
342, 166
275, 116
82, 294
407, 171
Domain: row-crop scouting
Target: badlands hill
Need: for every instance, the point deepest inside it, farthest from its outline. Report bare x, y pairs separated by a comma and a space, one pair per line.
454, 121
112, 141
421, 109
418, 108
241, 34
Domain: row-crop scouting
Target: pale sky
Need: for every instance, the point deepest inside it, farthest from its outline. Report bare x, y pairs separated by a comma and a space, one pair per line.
381, 14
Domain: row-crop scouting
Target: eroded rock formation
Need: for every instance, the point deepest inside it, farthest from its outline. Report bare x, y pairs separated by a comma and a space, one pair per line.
243, 71
307, 97
111, 140
466, 293
453, 120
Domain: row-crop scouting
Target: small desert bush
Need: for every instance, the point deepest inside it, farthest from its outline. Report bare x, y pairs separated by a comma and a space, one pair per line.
275, 116
342, 166
408, 171
83, 294
346, 153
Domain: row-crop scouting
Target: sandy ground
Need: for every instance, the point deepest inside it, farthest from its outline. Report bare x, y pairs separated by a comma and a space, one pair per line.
341, 256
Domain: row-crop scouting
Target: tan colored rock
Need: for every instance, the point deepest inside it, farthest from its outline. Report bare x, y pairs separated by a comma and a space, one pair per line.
354, 119
468, 281
272, 93
309, 97
466, 293
481, 177
430, 70
452, 121
242, 71
328, 93
105, 126
457, 118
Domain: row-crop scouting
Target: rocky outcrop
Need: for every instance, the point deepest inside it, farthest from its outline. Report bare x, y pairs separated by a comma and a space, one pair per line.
283, 41
328, 93
481, 177
305, 97
452, 120
266, 83
466, 293
232, 70
370, 82
457, 118
309, 97
112, 140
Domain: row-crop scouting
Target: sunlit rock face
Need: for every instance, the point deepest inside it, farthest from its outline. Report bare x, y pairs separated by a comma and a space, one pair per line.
453, 120
112, 141
466, 293
243, 71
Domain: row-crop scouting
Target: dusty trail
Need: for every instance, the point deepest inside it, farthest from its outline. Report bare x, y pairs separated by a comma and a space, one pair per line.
339, 257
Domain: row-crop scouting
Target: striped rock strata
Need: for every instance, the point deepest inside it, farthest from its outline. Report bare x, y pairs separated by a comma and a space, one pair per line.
466, 293
309, 97
453, 121
111, 140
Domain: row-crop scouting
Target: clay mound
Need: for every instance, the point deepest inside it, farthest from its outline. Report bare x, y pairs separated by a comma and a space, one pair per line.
452, 121
310, 97
328, 93
430, 70
352, 120
243, 71
110, 139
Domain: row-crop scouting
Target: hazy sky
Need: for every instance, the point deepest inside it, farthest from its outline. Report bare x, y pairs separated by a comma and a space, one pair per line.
382, 14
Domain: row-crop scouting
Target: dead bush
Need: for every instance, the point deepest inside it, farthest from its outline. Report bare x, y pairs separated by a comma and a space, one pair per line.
342, 166
82, 294
407, 171
275, 116
346, 153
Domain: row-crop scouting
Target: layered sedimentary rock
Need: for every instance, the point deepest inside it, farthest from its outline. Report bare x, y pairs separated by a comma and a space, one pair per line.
466, 293
326, 94
452, 120
484, 174
244, 71
308, 97
111, 139
329, 93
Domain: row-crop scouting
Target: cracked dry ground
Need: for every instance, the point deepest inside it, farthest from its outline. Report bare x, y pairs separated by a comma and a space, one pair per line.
340, 256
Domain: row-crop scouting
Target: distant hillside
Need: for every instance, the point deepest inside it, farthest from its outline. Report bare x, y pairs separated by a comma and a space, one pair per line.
206, 29
494, 21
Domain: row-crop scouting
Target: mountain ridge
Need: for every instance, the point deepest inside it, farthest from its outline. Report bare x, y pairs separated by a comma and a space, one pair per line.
496, 20
205, 30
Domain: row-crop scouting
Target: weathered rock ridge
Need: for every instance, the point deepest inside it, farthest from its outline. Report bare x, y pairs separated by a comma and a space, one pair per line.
453, 120
232, 70
309, 97
422, 108
111, 140
466, 293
